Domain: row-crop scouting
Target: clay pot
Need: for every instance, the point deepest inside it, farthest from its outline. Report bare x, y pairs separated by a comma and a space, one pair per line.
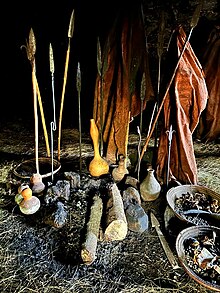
98, 166
150, 188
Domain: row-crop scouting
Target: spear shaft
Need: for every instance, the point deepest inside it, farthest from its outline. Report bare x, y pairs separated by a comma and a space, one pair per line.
170, 136
53, 123
78, 86
70, 34
194, 21
100, 73
31, 50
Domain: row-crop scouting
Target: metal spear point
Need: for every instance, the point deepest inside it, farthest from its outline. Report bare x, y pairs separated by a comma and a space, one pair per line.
142, 95
155, 224
170, 136
99, 68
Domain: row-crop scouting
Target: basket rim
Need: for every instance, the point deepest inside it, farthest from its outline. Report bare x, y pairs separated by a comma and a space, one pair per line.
56, 164
177, 191
181, 256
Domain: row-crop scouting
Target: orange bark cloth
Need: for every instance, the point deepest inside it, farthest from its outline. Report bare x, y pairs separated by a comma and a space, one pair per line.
186, 100
209, 126
124, 60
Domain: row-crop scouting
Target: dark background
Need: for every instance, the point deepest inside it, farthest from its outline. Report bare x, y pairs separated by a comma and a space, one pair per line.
50, 22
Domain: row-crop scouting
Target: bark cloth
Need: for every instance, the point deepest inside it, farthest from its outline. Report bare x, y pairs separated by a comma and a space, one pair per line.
186, 100
209, 125
124, 61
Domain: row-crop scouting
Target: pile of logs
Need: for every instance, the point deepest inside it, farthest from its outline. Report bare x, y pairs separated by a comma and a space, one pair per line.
116, 226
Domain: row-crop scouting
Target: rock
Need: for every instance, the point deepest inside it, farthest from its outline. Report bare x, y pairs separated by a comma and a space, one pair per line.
137, 218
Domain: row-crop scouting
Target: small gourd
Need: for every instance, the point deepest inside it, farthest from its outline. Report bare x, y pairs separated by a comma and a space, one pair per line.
119, 172
98, 166
36, 183
18, 196
30, 203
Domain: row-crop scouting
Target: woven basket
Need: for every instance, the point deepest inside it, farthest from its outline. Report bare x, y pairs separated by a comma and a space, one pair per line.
177, 192
27, 168
194, 232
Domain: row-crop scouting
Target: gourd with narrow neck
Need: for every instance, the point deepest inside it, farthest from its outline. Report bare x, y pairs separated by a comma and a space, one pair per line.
150, 188
119, 172
98, 166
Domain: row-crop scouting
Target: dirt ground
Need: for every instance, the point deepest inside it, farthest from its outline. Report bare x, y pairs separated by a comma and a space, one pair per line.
37, 257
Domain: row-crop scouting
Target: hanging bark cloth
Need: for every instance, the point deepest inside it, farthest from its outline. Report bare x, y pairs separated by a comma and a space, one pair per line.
186, 100
124, 60
209, 126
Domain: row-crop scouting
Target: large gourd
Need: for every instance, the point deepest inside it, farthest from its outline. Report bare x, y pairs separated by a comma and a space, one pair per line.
98, 166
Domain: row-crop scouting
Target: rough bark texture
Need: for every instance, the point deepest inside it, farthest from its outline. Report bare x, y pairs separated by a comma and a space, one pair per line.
88, 251
116, 223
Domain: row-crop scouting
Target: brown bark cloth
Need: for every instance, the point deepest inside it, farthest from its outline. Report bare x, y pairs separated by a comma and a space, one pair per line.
186, 100
209, 125
124, 60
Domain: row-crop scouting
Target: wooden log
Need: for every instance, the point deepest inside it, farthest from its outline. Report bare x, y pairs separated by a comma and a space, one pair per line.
88, 251
116, 222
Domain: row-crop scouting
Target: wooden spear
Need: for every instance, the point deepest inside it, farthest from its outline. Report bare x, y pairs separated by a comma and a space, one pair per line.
31, 55
78, 86
160, 44
194, 21
99, 68
70, 34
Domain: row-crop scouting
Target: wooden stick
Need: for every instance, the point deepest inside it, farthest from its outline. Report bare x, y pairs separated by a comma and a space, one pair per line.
88, 251
35, 117
43, 118
70, 34
78, 86
31, 50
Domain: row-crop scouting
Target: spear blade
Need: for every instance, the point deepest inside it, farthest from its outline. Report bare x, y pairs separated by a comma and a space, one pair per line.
51, 59
196, 14
71, 24
99, 58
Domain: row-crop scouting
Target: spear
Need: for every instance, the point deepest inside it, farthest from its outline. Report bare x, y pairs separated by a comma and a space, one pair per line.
99, 68
170, 136
160, 44
53, 126
31, 57
194, 21
78, 86
70, 34
142, 95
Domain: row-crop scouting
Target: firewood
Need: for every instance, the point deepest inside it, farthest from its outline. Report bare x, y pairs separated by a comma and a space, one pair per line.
116, 223
88, 251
